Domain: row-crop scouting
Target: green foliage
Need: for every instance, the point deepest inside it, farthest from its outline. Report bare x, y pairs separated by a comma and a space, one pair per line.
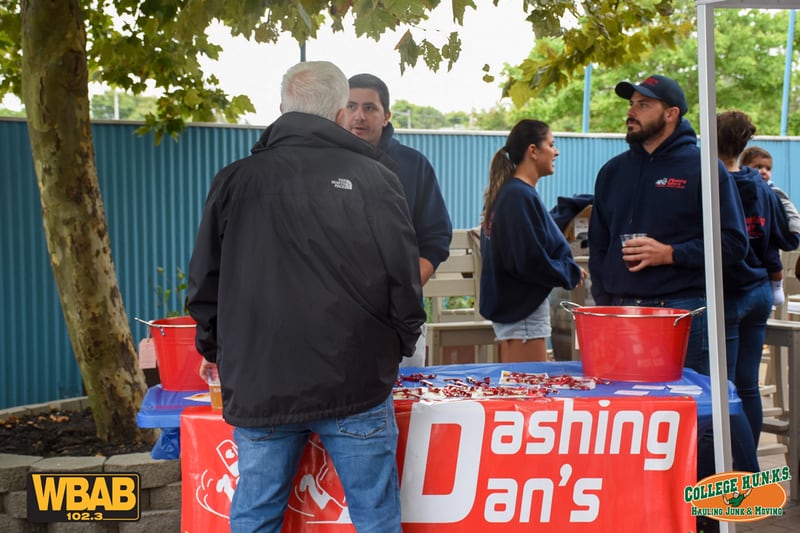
458, 120
411, 116
133, 44
130, 107
10, 56
750, 56
407, 115
610, 32
5, 112
448, 302
459, 302
497, 118
171, 292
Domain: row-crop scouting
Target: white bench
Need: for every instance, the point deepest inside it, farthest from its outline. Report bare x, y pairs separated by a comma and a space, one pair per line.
459, 275
785, 369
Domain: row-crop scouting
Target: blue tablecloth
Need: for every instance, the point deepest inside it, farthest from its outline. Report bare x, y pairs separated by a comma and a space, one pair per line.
162, 408
690, 378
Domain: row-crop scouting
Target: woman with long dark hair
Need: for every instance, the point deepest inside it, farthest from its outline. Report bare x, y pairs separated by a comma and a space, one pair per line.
524, 253
748, 293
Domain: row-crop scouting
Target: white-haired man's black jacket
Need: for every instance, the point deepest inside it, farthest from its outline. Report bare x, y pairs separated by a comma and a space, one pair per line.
304, 279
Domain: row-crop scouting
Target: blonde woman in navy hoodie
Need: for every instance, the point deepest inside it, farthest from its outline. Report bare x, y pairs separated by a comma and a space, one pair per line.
524, 253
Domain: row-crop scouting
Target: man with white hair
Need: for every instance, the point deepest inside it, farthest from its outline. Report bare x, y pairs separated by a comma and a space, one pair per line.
305, 285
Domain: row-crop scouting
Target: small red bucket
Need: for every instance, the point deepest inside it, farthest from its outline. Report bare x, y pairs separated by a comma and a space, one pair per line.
629, 343
176, 355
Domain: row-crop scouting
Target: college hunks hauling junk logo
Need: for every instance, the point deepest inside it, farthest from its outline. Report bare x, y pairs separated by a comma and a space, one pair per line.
739, 496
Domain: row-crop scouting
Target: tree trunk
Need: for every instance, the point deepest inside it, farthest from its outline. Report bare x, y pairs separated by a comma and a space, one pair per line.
56, 97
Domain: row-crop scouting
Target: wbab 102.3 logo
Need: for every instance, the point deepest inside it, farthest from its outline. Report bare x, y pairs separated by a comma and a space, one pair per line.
739, 496
85, 497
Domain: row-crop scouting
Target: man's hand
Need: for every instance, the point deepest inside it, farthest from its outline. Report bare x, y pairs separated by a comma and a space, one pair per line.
425, 270
583, 277
644, 252
204, 367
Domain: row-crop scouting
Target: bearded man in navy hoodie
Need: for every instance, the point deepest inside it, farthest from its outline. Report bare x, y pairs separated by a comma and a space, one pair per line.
654, 189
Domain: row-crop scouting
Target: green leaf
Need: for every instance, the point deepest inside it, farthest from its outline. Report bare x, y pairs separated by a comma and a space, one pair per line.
459, 7
409, 51
431, 55
304, 16
191, 98
452, 50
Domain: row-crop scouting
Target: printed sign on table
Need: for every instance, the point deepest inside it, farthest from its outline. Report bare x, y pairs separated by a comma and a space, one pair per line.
491, 465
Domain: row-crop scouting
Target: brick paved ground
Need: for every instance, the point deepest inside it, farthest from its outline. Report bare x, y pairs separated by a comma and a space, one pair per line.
790, 521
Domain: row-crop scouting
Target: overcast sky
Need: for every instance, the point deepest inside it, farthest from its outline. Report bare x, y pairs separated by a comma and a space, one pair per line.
493, 35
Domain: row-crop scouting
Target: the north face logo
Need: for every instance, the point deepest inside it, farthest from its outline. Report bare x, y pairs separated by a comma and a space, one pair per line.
342, 183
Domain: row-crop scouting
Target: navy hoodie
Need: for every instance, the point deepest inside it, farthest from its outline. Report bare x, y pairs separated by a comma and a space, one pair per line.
524, 255
767, 229
659, 194
425, 203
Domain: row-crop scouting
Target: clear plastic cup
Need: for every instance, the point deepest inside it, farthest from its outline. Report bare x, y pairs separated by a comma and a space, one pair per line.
214, 388
625, 237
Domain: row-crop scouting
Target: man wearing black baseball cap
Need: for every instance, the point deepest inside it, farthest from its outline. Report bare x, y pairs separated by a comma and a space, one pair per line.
654, 188
659, 87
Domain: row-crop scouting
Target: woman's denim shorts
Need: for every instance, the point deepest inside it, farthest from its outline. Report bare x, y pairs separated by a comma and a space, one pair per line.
535, 326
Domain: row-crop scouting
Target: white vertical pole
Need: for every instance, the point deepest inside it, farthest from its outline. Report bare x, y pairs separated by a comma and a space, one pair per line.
787, 72
712, 245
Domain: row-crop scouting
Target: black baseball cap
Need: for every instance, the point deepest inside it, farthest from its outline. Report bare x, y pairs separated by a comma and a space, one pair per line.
659, 87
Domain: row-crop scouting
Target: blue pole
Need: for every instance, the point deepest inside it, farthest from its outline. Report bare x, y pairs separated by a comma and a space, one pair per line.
587, 93
302, 52
787, 72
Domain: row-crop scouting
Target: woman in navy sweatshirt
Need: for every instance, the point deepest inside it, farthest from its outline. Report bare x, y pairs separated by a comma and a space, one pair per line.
524, 253
748, 294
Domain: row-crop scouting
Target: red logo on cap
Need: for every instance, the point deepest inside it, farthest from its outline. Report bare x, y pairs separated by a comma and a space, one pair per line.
650, 81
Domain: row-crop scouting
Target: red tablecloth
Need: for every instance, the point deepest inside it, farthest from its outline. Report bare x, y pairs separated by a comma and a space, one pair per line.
554, 464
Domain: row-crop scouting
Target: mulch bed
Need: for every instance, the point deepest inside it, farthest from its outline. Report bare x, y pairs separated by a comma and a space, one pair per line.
59, 433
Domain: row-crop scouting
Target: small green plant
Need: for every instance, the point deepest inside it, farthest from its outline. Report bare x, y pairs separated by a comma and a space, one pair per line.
449, 302
171, 295
426, 302
459, 302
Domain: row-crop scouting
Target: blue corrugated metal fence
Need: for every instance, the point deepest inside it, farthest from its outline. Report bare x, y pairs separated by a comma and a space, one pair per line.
153, 198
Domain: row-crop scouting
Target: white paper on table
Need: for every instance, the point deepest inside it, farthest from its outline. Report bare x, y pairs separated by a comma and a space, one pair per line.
694, 390
632, 392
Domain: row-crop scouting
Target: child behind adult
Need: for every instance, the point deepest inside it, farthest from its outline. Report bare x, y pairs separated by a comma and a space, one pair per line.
524, 253
760, 159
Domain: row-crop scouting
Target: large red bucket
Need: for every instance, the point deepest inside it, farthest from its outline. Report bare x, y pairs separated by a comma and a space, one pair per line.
176, 355
629, 343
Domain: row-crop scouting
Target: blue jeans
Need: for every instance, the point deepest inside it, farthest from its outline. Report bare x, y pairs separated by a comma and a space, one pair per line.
362, 447
746, 317
697, 360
